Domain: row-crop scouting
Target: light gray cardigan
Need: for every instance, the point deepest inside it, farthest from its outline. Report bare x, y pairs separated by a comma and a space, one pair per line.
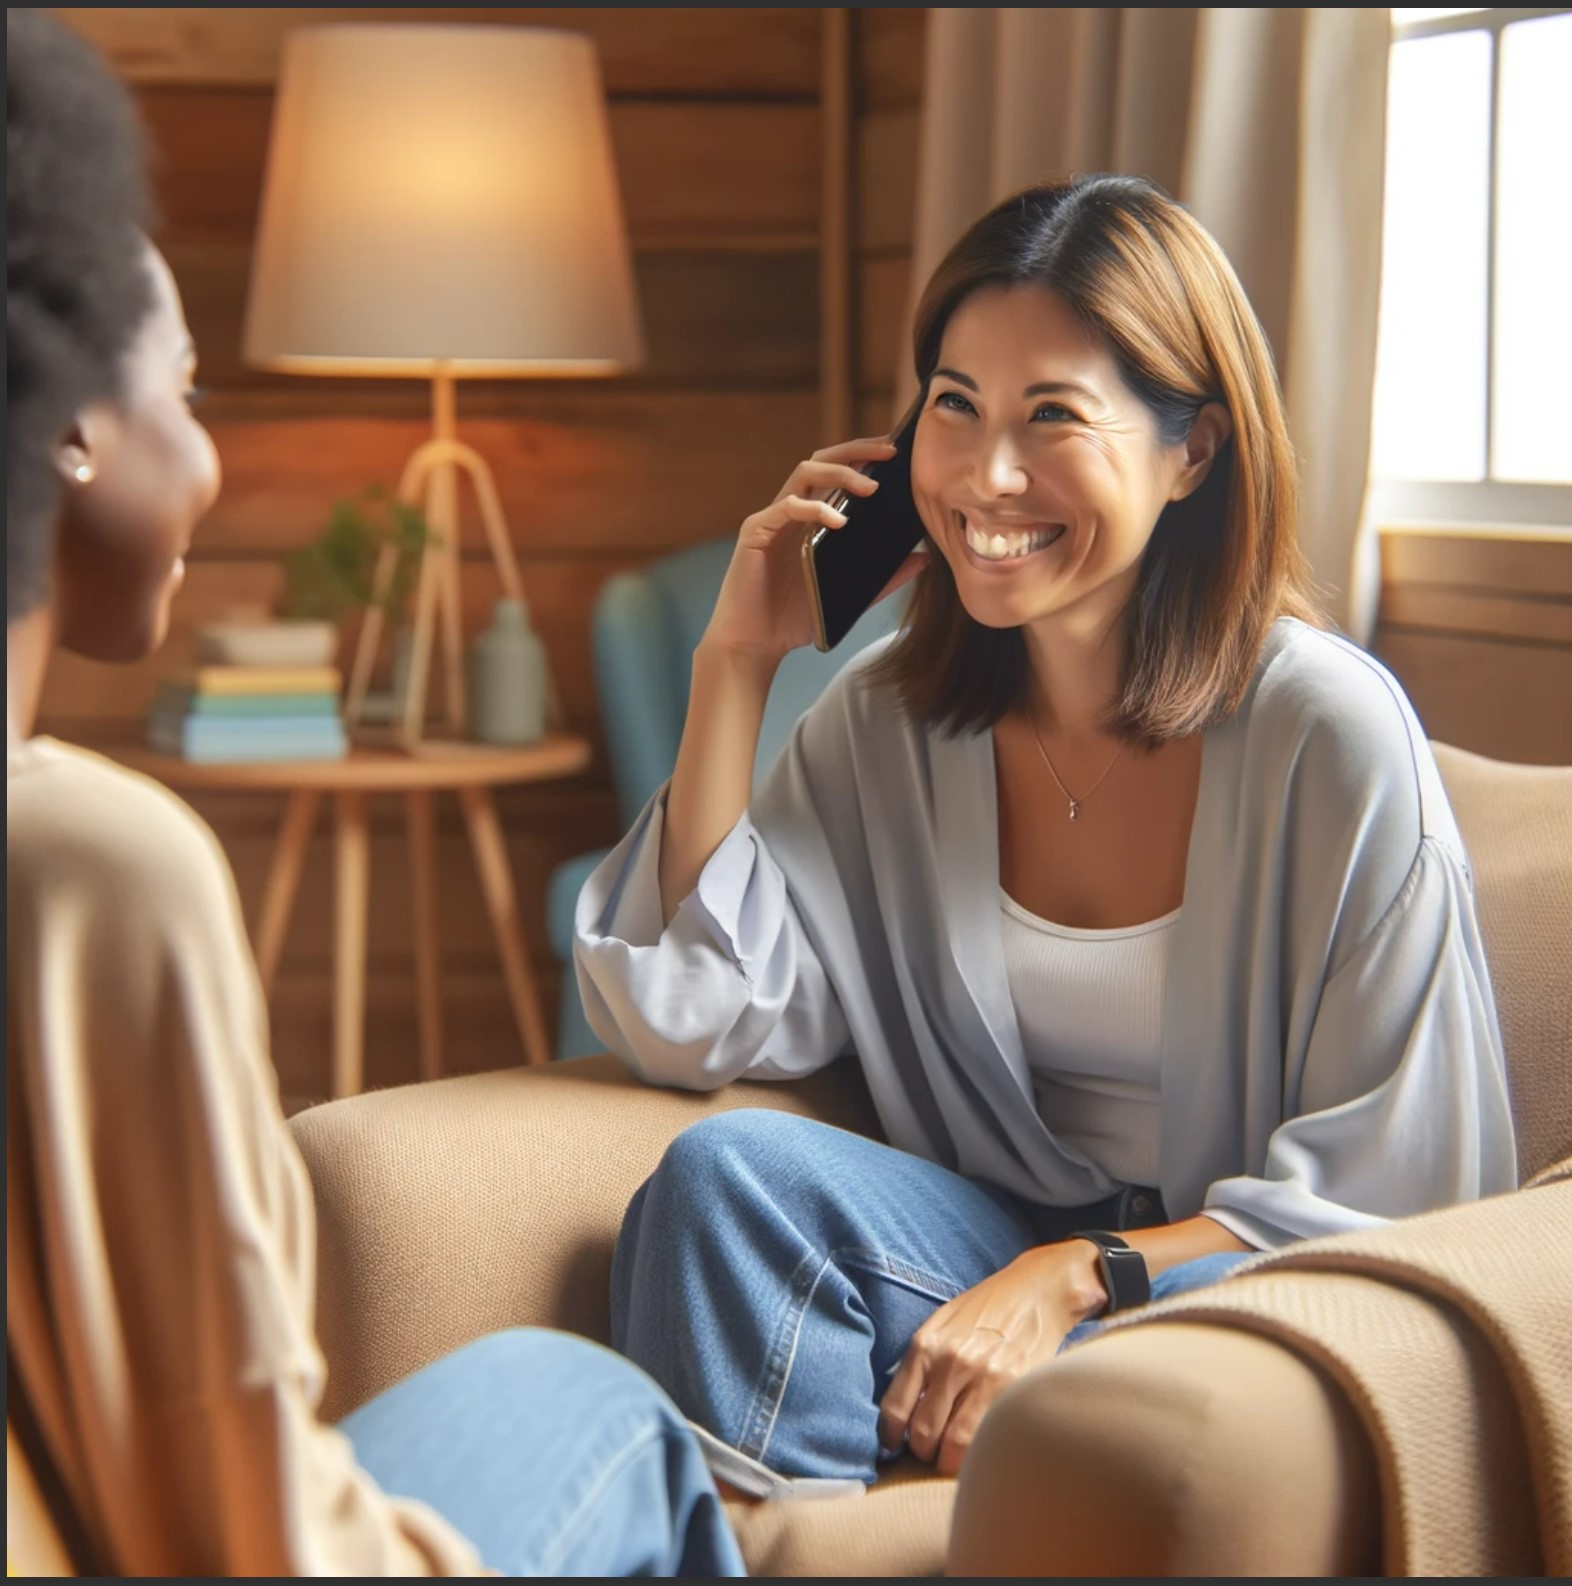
1331, 1056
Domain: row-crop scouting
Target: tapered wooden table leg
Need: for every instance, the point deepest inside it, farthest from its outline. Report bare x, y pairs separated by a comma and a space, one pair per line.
352, 866
423, 920
432, 766
283, 881
496, 883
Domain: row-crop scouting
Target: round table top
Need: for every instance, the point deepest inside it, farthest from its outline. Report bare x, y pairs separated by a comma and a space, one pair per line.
434, 765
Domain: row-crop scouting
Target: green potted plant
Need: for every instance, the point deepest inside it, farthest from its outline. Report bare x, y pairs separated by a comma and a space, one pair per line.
331, 578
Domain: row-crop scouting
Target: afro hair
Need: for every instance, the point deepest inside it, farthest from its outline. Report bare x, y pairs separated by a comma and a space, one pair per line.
77, 287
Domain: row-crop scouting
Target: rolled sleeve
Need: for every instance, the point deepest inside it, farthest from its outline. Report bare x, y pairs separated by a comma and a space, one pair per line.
731, 985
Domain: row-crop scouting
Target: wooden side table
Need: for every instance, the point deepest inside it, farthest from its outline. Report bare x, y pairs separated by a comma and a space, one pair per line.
470, 771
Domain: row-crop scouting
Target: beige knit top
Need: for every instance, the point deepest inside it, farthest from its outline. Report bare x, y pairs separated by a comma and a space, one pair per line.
160, 1237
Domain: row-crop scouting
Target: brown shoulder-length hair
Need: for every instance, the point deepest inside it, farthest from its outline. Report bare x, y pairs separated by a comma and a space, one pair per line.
1223, 563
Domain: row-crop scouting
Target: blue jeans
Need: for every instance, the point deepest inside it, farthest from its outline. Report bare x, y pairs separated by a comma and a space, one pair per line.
771, 1272
553, 1457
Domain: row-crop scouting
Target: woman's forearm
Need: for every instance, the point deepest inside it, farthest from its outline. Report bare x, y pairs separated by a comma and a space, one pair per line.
713, 781
1175, 1243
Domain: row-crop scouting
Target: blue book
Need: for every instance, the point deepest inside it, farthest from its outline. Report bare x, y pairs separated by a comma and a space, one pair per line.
215, 741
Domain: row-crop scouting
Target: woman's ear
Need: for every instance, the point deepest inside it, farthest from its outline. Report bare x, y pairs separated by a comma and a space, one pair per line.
1209, 433
79, 456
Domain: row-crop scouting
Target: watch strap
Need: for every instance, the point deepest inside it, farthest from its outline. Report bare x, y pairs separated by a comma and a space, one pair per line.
1123, 1271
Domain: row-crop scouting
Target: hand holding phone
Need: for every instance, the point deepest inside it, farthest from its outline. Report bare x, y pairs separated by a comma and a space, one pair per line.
846, 569
762, 611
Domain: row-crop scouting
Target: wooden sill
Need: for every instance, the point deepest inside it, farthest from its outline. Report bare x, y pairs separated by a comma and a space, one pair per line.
1528, 561
1513, 584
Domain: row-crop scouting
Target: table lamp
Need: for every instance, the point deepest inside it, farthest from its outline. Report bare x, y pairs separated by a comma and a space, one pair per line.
440, 202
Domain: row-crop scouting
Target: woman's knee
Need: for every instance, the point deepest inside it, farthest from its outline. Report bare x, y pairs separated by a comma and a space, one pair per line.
719, 1184
744, 1150
676, 1208
563, 1382
530, 1360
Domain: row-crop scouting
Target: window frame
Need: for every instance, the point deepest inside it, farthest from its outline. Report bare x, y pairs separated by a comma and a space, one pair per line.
1483, 502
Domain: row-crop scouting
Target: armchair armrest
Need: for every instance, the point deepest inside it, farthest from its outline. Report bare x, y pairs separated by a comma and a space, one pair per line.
450, 1210
1180, 1449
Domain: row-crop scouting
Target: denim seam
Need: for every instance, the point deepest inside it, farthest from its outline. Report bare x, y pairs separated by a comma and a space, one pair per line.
759, 1422
614, 1468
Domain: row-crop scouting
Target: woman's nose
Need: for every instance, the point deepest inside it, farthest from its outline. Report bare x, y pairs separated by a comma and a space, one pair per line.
1001, 471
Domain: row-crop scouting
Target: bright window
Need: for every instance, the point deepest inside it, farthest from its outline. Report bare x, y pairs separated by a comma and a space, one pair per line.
1473, 398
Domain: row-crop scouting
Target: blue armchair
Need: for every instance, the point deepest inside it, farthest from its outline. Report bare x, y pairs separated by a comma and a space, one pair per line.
645, 628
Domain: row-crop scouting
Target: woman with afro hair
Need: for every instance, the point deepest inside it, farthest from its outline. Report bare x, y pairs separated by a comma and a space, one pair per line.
164, 1375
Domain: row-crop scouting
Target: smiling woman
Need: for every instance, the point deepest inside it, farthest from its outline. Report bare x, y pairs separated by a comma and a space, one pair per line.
1094, 374
1234, 1000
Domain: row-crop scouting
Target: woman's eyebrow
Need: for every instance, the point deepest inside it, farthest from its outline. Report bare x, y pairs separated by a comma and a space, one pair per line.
1042, 388
1061, 388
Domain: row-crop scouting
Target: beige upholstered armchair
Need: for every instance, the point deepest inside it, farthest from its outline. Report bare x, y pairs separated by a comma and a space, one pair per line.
450, 1210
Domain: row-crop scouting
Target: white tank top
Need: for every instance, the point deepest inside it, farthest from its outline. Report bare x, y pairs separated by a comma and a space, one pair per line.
1090, 1009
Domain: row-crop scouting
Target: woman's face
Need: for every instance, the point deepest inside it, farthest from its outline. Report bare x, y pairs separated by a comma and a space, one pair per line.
124, 532
1037, 471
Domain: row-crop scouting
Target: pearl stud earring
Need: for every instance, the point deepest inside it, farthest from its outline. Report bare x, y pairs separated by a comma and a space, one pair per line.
84, 473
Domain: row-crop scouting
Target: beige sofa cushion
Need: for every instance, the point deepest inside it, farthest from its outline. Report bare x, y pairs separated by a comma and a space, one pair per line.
1517, 823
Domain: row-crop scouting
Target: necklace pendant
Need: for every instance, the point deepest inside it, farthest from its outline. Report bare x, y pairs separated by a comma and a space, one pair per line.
1075, 810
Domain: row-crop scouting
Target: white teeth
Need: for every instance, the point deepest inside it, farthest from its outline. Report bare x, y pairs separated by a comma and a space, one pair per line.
1001, 548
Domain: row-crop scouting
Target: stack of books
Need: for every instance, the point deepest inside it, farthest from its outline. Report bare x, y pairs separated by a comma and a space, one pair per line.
220, 714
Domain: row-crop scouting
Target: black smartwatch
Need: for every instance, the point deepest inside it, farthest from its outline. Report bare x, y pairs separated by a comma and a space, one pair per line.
1123, 1270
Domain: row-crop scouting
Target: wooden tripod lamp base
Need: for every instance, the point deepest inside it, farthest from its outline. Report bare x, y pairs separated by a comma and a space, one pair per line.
430, 483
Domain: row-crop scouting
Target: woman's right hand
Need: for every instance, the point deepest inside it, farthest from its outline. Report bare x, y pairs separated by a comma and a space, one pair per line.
761, 613
760, 616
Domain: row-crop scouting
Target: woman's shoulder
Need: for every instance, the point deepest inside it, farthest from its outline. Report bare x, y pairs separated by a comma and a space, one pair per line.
77, 818
1313, 687
1334, 717
1320, 680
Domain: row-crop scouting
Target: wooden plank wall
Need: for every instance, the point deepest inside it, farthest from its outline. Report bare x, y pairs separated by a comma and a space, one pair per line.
889, 91
715, 115
1478, 628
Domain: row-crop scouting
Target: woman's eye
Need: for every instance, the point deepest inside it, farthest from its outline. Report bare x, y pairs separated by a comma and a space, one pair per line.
1052, 411
954, 401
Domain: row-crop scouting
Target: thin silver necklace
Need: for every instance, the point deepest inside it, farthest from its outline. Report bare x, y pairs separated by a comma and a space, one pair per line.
1075, 803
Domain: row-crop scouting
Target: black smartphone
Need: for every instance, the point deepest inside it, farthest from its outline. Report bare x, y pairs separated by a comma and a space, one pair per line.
845, 568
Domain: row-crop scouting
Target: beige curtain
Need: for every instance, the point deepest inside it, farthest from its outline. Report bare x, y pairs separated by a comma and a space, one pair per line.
1268, 124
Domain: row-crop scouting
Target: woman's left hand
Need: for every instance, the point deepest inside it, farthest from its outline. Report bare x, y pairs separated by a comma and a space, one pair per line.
971, 1349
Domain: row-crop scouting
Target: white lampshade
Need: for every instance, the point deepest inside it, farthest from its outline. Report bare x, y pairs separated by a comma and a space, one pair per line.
441, 195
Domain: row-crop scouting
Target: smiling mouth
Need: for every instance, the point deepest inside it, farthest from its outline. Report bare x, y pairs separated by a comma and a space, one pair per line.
995, 545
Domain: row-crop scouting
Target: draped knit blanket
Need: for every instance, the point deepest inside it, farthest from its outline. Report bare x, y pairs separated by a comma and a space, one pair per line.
1451, 1334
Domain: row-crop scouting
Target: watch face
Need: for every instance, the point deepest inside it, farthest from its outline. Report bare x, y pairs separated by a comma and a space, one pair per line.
1127, 1279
